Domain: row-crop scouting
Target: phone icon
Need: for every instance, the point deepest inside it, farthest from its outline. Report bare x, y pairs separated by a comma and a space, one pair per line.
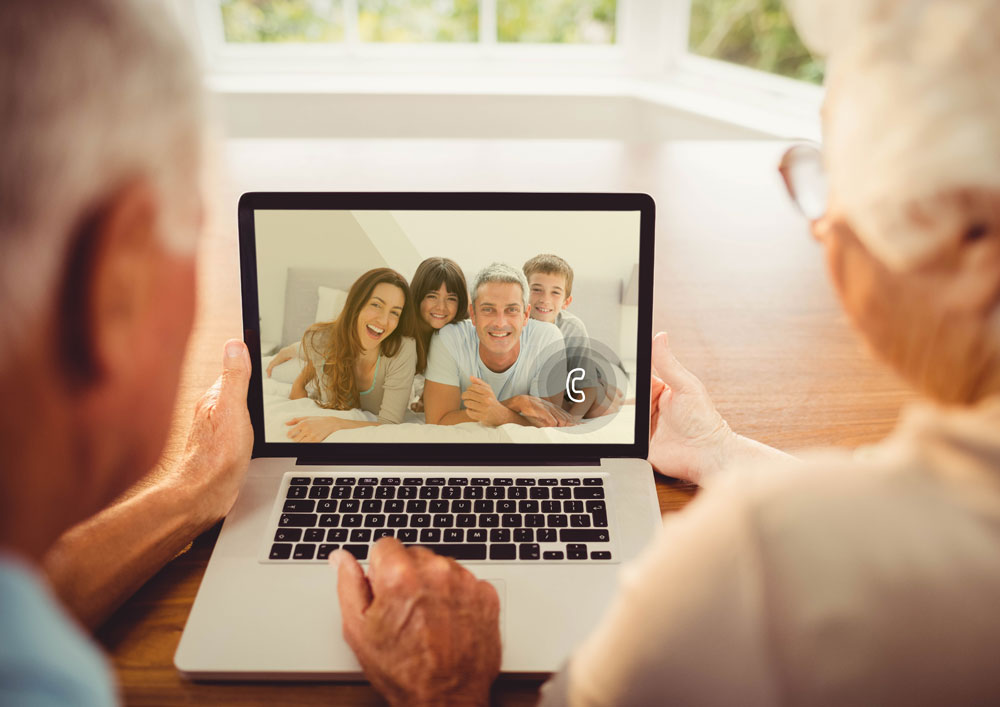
572, 392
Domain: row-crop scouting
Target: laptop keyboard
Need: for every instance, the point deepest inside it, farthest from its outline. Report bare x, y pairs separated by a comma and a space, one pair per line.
557, 519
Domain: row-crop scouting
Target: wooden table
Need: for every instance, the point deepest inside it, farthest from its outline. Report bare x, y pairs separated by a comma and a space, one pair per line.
740, 286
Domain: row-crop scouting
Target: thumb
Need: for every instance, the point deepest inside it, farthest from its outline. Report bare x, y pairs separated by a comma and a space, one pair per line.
353, 592
235, 370
667, 367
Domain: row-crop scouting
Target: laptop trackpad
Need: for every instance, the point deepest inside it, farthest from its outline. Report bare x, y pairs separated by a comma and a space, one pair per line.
501, 588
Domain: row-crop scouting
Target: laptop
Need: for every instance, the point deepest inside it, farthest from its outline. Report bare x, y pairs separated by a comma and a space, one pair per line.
546, 512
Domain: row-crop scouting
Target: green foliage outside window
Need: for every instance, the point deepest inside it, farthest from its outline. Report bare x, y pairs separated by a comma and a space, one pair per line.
418, 20
754, 33
556, 21
283, 20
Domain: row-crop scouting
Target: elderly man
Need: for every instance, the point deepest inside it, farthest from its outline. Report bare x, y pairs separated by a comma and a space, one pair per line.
499, 366
100, 128
841, 579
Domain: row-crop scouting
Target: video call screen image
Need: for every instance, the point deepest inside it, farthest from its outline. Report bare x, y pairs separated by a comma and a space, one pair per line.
448, 326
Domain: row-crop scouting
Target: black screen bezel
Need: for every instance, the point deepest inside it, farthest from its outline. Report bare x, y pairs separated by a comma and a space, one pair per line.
443, 453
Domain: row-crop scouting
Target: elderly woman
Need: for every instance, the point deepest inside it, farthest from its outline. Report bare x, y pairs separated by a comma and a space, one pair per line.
857, 579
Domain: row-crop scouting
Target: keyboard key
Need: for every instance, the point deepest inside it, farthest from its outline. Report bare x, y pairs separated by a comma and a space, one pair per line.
568, 535
517, 492
484, 506
297, 520
524, 535
287, 535
503, 482
503, 507
528, 551
562, 492
576, 552
350, 505
435, 481
527, 506
375, 520
476, 535
324, 550
395, 506
407, 492
363, 492
416, 506
329, 520
319, 492
368, 481
407, 535
534, 520
461, 506
572, 506
593, 481
551, 506
489, 520
324, 481
548, 482
496, 492
569, 482
371, 506
557, 520
600, 519
281, 551
385, 492
297, 492
499, 535
420, 520
539, 492
593, 506
454, 535
472, 492
413, 481
329, 506
341, 492
361, 535
299, 481
458, 481
346, 481
389, 481
304, 551
479, 481
315, 535
579, 521
383, 533
336, 535
451, 492
503, 552
430, 535
600, 555
546, 535
589, 492
552, 555
352, 520
524, 482
397, 520
465, 520
359, 551
457, 551
438, 506
430, 492
444, 520
511, 520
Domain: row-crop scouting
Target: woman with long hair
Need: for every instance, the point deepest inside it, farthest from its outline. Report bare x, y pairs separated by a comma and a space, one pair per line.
441, 297
365, 358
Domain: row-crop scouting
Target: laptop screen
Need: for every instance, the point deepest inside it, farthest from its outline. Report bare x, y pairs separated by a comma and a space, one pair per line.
447, 326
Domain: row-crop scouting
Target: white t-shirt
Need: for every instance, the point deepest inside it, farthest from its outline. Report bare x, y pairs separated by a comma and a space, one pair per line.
540, 368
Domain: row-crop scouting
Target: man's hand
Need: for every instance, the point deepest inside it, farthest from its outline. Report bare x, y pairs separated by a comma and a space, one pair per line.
313, 429
482, 405
221, 438
424, 629
539, 412
688, 438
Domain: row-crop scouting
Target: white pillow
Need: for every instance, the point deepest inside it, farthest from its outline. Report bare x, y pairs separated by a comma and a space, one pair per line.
331, 301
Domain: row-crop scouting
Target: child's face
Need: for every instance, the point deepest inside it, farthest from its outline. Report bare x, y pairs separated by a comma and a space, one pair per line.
439, 307
547, 296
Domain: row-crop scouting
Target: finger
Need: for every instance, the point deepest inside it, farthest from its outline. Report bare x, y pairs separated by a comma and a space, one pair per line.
388, 565
666, 365
477, 381
295, 421
235, 373
353, 593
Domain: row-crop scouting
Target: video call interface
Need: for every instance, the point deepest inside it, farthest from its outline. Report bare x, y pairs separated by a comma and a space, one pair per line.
448, 326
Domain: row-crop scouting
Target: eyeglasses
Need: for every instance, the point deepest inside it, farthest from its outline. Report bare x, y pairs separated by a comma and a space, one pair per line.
805, 178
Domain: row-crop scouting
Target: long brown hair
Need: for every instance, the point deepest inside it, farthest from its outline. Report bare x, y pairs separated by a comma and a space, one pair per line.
430, 275
338, 344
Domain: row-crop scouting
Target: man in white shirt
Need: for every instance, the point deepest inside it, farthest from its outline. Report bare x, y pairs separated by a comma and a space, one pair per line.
499, 366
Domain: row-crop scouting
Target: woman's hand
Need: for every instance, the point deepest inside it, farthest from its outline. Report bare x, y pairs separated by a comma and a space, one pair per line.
313, 429
286, 354
688, 439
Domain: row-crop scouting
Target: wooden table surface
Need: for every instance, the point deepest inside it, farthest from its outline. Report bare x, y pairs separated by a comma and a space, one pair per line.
739, 284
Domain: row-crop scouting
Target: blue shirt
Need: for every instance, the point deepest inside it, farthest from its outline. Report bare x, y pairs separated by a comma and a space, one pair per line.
45, 659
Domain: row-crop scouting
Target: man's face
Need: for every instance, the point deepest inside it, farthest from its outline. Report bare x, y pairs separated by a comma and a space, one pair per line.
547, 296
499, 315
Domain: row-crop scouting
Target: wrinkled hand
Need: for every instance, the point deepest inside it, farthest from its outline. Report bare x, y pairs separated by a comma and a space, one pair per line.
424, 629
482, 405
286, 354
540, 412
312, 429
221, 438
688, 438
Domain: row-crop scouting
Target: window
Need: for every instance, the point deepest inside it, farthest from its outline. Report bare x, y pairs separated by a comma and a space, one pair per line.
412, 21
753, 33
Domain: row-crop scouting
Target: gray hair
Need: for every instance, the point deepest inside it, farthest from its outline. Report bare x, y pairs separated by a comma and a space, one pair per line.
93, 93
499, 272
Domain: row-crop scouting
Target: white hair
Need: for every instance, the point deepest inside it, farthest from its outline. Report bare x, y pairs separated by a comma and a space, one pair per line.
499, 272
93, 93
913, 112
